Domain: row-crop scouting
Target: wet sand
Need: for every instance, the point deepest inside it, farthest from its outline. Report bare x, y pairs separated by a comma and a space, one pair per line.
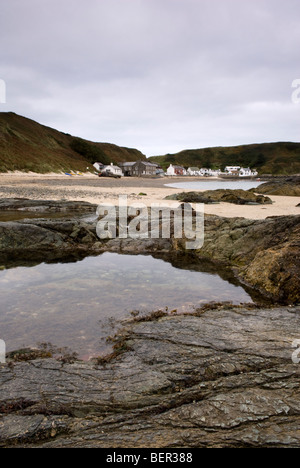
107, 190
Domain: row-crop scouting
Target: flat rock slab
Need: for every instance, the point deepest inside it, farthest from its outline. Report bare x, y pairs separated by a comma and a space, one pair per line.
41, 206
238, 197
225, 378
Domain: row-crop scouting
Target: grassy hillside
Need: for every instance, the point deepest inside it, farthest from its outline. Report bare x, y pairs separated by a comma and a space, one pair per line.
268, 158
26, 145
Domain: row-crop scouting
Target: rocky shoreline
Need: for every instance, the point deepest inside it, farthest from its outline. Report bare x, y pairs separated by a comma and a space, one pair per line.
223, 377
264, 254
237, 197
287, 186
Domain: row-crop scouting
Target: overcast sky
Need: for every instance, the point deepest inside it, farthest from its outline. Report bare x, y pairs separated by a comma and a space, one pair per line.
157, 75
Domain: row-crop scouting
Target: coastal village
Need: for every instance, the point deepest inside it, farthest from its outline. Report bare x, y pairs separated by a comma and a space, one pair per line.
148, 169
150, 227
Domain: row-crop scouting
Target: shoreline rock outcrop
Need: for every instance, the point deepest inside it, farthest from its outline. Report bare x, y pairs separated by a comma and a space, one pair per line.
264, 254
287, 187
46, 206
224, 378
237, 197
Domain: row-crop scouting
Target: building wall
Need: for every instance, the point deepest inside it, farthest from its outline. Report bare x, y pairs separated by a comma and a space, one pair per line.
139, 169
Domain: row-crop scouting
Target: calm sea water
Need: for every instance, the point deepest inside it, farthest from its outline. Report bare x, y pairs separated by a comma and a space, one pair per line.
78, 304
216, 184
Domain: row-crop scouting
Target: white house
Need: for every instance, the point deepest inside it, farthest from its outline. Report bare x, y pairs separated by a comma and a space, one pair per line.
204, 172
113, 170
215, 173
232, 169
176, 171
238, 171
98, 166
209, 172
193, 171
247, 172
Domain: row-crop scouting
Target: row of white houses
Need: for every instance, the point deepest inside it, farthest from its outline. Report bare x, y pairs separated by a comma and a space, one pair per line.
236, 171
241, 171
144, 168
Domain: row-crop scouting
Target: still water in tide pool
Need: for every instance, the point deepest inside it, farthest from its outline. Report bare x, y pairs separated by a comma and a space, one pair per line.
77, 305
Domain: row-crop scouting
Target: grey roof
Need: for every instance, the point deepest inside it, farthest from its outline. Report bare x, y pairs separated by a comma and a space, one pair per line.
146, 163
113, 166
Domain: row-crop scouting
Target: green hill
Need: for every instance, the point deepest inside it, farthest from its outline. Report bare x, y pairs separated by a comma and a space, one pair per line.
25, 145
267, 158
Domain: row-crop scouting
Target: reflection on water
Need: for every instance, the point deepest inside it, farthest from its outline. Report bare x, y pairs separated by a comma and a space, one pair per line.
75, 304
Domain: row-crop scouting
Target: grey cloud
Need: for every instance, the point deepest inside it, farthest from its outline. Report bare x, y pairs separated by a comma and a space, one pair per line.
160, 75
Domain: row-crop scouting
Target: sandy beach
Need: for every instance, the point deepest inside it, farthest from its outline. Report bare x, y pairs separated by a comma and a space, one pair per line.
99, 190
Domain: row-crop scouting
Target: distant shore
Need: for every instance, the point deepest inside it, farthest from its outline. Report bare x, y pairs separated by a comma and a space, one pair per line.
148, 190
